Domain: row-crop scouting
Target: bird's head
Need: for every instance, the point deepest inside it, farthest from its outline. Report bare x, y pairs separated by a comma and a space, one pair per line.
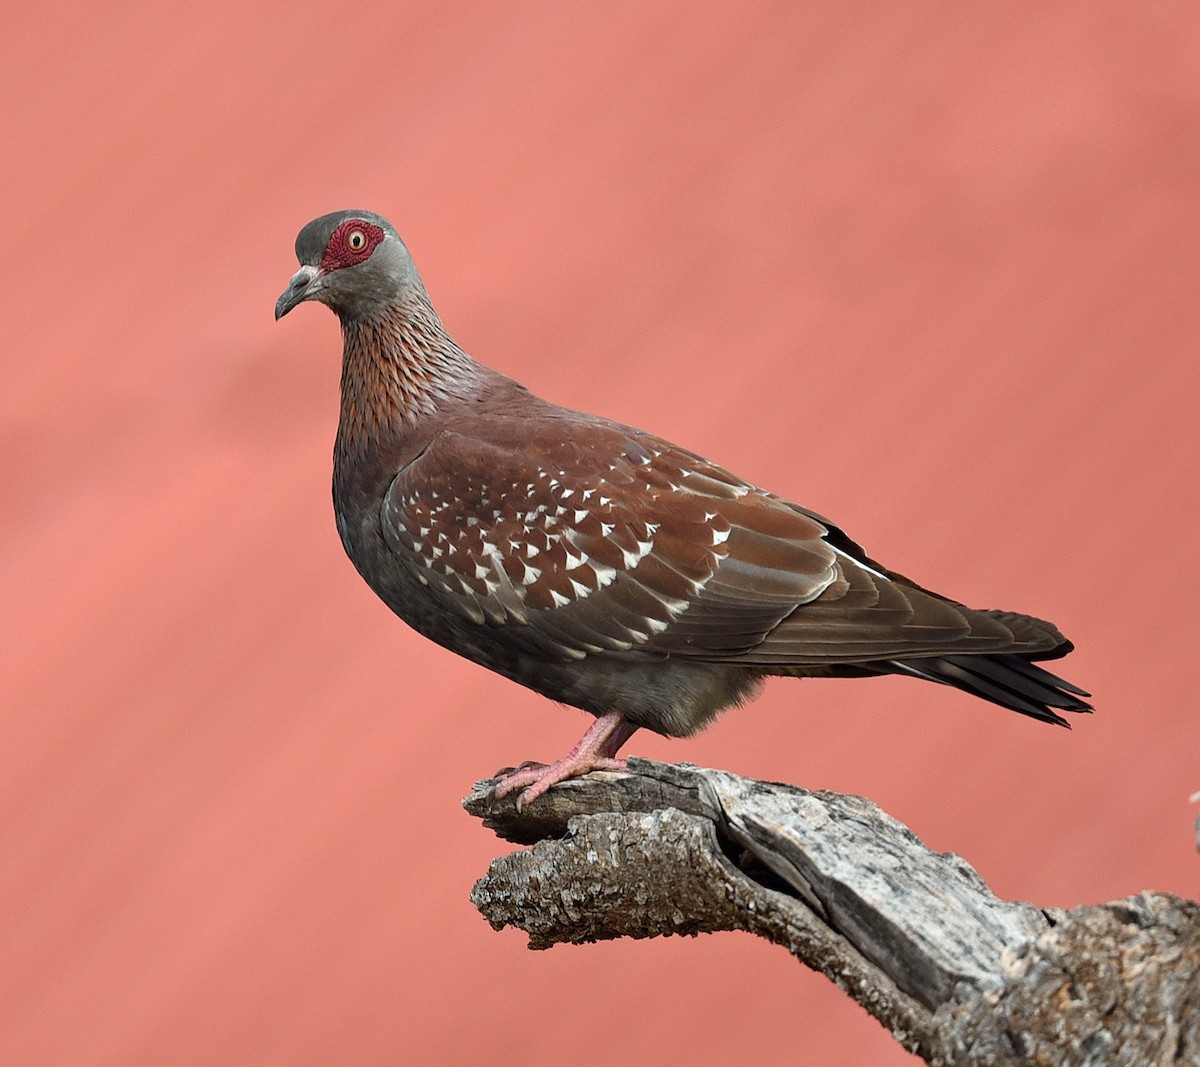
352, 261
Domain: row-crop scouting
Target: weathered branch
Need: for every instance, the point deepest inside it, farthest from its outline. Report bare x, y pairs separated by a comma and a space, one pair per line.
958, 975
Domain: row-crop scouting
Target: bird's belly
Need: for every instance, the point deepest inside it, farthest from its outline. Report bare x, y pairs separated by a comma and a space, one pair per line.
670, 696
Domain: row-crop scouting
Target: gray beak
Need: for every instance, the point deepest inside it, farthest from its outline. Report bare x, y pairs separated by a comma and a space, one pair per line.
305, 284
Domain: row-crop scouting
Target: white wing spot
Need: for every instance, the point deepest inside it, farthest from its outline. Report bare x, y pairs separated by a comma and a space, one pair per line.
604, 573
632, 559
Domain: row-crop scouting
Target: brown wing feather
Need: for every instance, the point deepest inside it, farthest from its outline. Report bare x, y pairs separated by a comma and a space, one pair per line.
620, 543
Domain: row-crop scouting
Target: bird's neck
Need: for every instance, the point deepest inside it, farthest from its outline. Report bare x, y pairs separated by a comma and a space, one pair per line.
399, 368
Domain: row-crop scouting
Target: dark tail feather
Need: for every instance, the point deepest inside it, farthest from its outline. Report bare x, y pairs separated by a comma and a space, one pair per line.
1009, 680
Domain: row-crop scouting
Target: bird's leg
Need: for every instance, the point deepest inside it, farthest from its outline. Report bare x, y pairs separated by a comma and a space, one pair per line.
596, 750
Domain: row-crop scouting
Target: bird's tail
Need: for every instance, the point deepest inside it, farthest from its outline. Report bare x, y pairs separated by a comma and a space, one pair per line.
1008, 679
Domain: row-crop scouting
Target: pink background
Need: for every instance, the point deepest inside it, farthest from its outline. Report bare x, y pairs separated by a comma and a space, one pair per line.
930, 269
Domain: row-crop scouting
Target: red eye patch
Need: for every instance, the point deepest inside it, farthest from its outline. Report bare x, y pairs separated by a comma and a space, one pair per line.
351, 243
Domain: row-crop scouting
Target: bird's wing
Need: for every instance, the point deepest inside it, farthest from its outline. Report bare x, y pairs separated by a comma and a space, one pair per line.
587, 537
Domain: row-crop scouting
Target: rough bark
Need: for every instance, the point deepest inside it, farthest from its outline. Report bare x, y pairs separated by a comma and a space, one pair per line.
958, 975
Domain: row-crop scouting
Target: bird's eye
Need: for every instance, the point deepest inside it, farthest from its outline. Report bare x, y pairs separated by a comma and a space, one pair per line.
351, 244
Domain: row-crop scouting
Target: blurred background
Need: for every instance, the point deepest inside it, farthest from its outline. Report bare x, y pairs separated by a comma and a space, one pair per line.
927, 268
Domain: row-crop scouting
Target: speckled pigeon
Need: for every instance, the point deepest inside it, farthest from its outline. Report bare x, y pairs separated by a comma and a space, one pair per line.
597, 564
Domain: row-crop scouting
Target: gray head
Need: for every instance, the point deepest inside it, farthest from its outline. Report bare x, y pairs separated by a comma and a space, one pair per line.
352, 261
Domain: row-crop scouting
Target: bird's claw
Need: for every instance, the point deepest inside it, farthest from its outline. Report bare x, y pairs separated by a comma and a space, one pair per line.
507, 772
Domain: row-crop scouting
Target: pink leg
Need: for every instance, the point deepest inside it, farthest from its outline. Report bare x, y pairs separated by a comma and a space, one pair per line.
596, 750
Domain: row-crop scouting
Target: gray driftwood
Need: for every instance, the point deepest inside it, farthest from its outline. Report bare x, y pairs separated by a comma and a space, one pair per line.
958, 975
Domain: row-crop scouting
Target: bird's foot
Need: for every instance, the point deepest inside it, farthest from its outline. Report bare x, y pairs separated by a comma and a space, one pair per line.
595, 751
534, 779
